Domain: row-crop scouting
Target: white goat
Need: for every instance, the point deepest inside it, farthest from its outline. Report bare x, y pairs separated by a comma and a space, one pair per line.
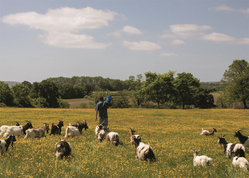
35, 133
38, 132
4, 128
17, 130
201, 160
74, 130
241, 162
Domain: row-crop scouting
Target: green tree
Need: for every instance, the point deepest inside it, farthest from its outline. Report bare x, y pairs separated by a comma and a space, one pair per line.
27, 83
236, 80
159, 88
186, 86
6, 95
204, 99
21, 95
88, 89
49, 90
135, 87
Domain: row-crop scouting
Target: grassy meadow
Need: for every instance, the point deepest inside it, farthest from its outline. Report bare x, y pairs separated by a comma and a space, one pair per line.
171, 133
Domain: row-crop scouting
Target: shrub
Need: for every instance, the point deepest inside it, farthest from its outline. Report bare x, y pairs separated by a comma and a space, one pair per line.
63, 103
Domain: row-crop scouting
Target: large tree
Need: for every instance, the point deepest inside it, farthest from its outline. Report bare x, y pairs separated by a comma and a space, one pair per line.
159, 88
186, 85
6, 95
236, 80
48, 90
21, 95
135, 87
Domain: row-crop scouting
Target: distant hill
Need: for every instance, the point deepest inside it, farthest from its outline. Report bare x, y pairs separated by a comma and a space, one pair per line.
11, 83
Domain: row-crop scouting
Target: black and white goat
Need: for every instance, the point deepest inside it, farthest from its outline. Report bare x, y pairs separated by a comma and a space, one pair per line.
100, 132
17, 130
201, 160
143, 151
132, 132
74, 130
208, 133
62, 148
243, 139
4, 144
111, 136
56, 129
231, 150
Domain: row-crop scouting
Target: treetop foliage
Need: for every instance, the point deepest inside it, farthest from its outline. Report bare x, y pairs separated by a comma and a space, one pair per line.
167, 89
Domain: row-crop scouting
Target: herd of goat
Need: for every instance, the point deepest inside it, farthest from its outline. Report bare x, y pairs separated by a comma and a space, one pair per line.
236, 152
63, 147
144, 152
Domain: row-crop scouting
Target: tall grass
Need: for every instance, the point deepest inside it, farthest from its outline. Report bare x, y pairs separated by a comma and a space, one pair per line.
171, 133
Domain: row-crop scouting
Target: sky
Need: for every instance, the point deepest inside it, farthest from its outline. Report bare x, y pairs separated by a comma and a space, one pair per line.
116, 39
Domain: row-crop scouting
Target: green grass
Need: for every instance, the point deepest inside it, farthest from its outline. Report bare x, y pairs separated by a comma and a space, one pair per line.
171, 133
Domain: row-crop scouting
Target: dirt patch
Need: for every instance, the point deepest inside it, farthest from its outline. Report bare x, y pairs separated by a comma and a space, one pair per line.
80, 103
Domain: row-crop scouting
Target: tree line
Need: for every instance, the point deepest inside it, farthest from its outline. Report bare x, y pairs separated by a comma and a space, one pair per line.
167, 89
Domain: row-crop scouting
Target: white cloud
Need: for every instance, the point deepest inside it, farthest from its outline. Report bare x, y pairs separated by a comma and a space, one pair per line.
244, 41
63, 19
219, 37
69, 40
223, 8
142, 45
61, 23
227, 8
188, 30
169, 54
177, 42
131, 30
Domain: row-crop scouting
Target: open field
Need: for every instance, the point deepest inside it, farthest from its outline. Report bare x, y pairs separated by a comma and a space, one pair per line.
171, 133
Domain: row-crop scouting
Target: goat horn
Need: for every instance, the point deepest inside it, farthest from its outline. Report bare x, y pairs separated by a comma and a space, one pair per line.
224, 135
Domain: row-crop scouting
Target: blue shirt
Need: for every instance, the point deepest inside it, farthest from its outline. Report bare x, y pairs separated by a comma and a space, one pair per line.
102, 108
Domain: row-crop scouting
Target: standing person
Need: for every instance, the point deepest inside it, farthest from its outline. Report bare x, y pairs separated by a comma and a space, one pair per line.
101, 107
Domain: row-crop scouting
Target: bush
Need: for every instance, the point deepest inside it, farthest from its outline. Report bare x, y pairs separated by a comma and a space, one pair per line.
63, 103
40, 102
2, 105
